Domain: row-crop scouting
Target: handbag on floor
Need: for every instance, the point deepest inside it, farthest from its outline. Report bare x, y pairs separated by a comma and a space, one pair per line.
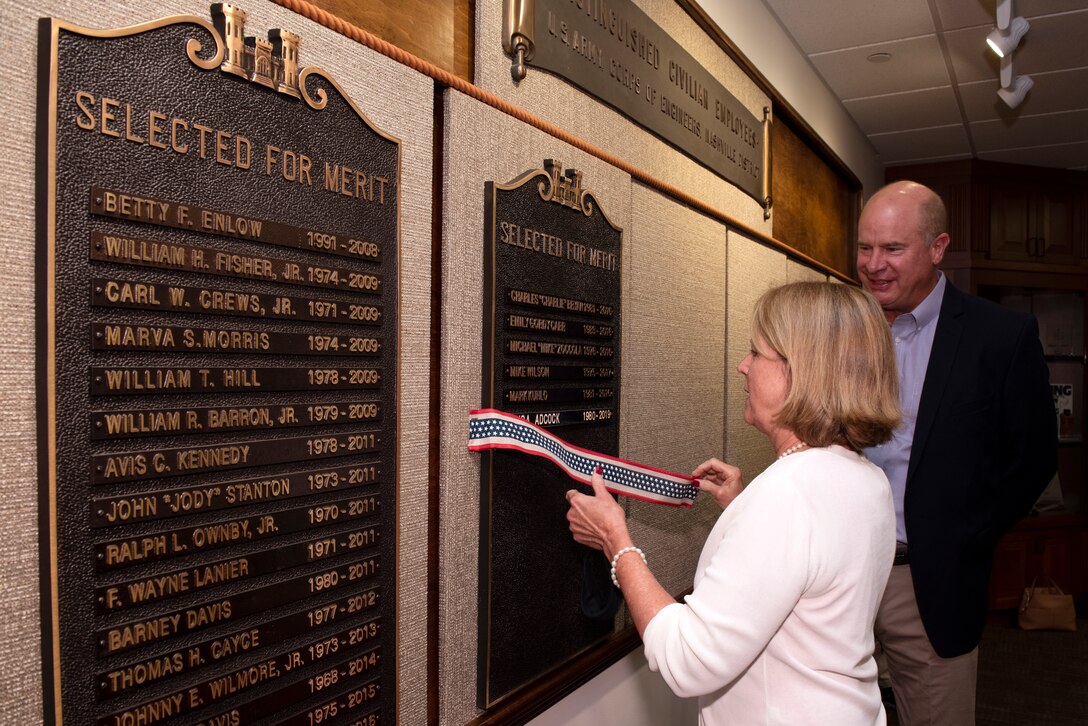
1047, 608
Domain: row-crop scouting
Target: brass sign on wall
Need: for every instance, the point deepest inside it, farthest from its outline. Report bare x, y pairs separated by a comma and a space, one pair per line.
616, 52
551, 356
219, 244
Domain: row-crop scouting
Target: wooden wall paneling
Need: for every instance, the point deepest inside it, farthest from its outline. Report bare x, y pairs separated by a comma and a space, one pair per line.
815, 210
438, 31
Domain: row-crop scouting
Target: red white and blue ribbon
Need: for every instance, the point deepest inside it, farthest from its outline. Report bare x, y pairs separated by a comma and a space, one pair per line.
490, 428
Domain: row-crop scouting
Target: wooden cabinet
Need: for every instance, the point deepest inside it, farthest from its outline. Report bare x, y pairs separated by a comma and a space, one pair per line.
1032, 224
1008, 216
1037, 549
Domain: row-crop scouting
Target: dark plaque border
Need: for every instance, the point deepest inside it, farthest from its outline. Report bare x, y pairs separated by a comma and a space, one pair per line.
551, 355
227, 551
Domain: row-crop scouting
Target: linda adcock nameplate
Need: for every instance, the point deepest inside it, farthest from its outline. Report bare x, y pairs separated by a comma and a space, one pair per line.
219, 248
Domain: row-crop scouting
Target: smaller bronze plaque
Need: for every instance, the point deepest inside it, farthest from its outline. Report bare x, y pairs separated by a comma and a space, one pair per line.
551, 356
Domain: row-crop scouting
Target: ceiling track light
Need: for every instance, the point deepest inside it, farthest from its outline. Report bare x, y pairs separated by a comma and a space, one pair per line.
1004, 42
1014, 94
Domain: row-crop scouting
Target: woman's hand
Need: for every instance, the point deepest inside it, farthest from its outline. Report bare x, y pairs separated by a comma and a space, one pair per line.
598, 521
720, 480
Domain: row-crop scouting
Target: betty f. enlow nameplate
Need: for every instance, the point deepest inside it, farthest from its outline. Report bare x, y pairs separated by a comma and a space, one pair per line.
551, 355
219, 271
615, 51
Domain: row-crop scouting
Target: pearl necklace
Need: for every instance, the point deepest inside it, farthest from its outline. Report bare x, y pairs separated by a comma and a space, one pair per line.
796, 447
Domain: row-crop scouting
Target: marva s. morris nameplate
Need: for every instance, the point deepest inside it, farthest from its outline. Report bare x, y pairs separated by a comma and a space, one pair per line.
219, 245
551, 356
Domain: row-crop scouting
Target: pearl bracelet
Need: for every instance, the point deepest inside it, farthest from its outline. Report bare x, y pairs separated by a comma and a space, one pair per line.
618, 555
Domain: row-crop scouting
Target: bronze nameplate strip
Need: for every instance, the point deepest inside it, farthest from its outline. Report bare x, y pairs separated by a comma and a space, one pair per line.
134, 423
142, 208
140, 465
152, 506
118, 381
345, 704
177, 339
138, 295
550, 372
227, 686
349, 700
521, 346
150, 589
118, 553
569, 417
525, 298
184, 660
213, 261
556, 395
558, 326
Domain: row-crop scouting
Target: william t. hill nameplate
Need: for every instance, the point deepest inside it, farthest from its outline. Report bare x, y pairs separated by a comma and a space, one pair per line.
219, 245
551, 356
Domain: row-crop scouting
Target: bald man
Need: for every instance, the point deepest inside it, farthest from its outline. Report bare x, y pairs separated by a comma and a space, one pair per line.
977, 446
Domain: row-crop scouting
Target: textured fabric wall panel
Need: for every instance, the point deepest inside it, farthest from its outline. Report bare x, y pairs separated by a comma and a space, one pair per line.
481, 144
398, 101
796, 272
673, 397
557, 101
753, 269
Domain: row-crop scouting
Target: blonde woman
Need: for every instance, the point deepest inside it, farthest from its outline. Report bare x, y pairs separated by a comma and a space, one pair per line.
779, 626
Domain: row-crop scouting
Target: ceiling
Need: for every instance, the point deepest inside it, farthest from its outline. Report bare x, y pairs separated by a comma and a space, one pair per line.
935, 99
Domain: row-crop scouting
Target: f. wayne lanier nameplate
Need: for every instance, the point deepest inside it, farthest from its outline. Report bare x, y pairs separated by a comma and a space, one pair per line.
551, 355
613, 50
219, 253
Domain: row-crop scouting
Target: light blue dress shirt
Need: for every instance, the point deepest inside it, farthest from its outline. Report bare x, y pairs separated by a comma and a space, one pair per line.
913, 336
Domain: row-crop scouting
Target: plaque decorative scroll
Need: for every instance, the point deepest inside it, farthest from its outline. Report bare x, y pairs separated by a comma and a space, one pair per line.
616, 52
552, 356
219, 254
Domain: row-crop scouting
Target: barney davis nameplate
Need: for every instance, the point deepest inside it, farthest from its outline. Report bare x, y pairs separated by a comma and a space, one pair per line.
613, 50
219, 272
552, 356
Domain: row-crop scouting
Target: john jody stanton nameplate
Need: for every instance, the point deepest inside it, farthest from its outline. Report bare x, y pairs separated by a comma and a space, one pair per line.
219, 271
552, 356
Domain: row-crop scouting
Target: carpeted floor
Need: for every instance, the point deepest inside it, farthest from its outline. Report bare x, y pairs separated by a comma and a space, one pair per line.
1030, 678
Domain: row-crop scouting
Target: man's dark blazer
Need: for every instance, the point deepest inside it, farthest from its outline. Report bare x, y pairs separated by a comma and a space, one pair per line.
985, 447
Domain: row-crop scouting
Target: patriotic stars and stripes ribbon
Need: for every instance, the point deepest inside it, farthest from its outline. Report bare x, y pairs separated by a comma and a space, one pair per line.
493, 429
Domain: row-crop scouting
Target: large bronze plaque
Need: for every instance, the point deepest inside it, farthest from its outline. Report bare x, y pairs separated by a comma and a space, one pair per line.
219, 244
552, 356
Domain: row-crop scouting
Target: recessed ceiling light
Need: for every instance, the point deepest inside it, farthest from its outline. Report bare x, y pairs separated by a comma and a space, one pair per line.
879, 57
